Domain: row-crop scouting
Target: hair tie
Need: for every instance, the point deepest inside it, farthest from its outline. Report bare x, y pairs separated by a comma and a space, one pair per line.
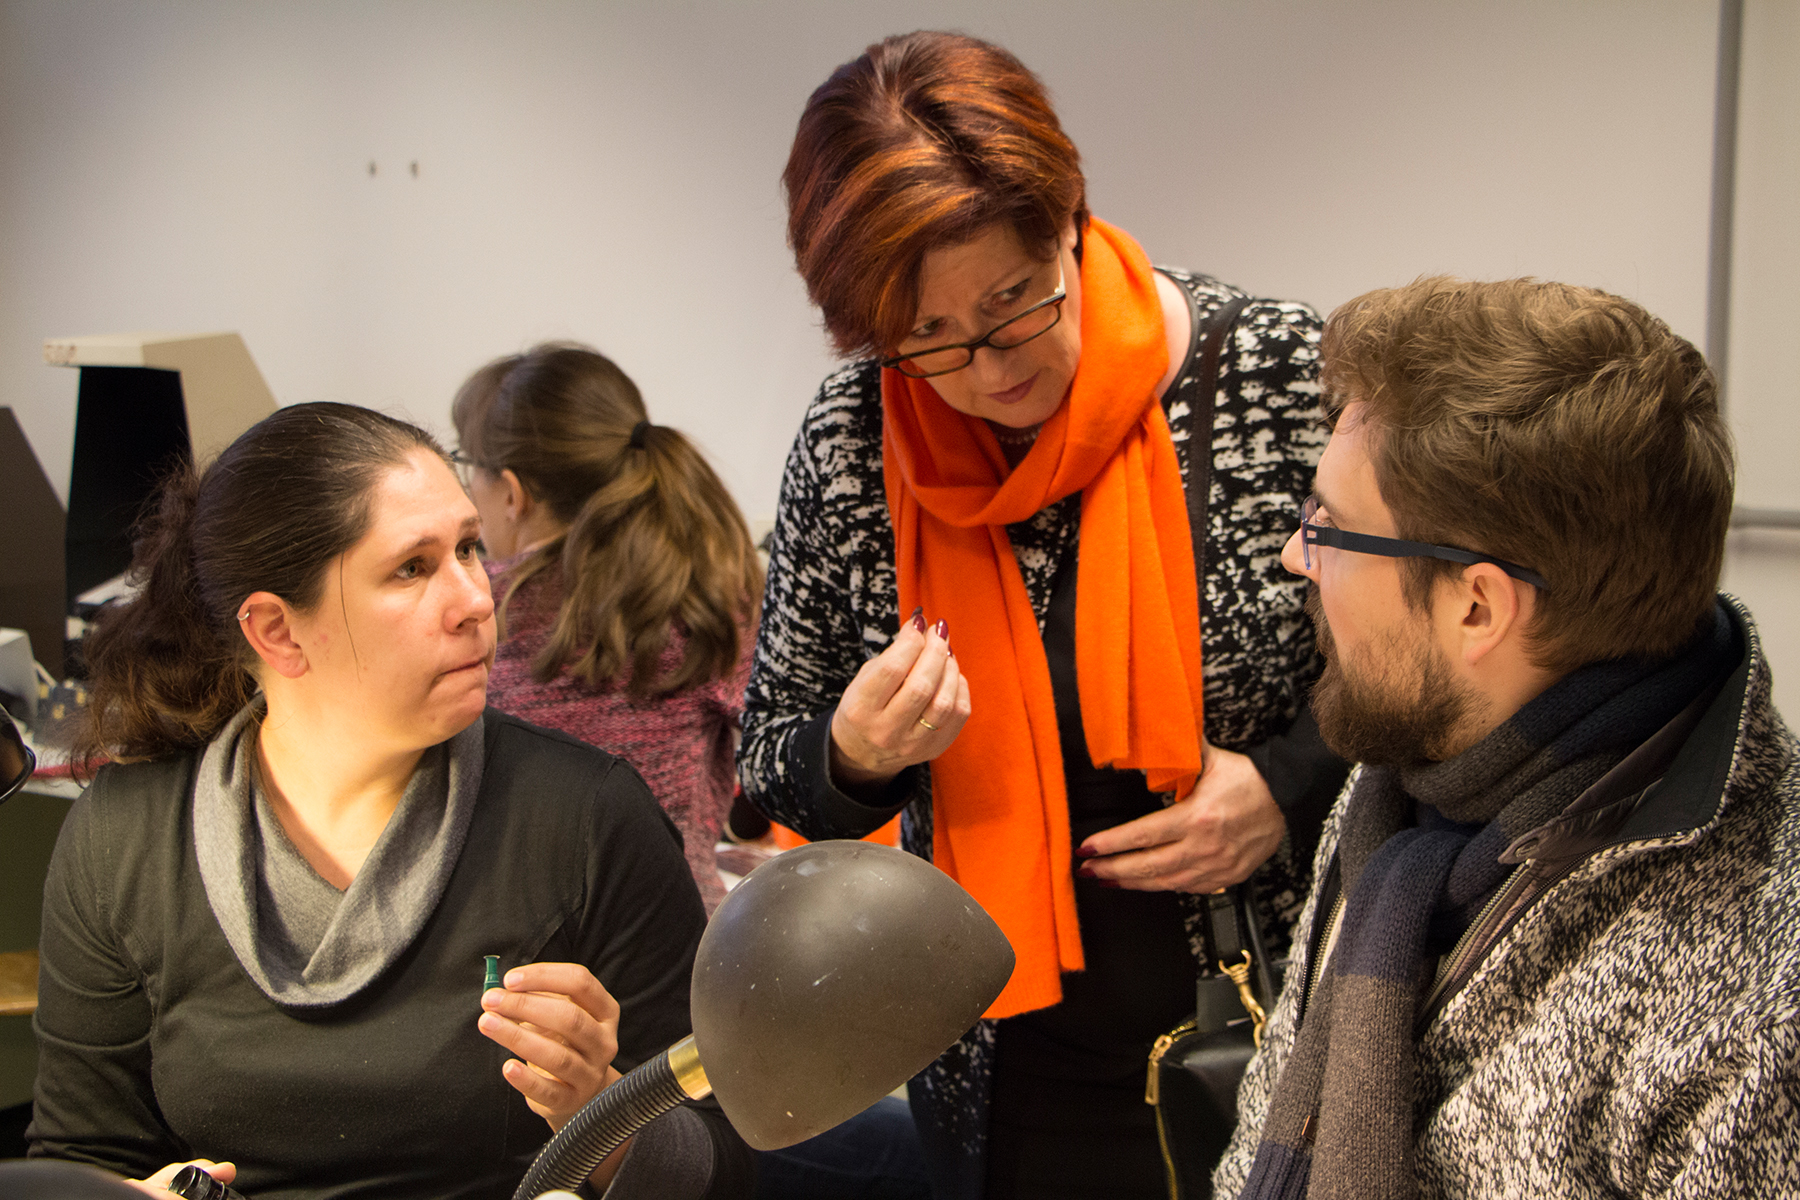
638, 433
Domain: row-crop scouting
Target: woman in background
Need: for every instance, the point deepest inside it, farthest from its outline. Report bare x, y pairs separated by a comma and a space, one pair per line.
627, 580
266, 922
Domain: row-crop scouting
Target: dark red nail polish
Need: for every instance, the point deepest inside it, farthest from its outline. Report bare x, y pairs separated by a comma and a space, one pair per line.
1106, 883
918, 619
1084, 871
943, 630
1086, 852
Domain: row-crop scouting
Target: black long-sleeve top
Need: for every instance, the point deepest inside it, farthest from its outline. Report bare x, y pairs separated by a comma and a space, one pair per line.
155, 1046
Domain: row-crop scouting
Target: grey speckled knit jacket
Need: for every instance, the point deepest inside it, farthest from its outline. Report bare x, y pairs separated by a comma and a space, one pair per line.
1634, 1032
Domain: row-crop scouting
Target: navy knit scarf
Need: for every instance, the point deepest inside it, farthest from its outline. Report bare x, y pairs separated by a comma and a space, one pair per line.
1419, 857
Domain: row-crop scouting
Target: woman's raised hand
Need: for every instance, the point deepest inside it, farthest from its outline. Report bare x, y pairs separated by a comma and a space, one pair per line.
905, 706
1209, 839
564, 1026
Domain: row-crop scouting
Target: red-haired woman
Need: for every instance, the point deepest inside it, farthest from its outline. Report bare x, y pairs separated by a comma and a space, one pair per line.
983, 607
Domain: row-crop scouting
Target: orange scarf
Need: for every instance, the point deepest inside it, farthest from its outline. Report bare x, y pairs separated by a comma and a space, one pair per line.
1000, 811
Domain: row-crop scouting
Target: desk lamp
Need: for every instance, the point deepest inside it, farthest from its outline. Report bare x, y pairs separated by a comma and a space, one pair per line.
830, 976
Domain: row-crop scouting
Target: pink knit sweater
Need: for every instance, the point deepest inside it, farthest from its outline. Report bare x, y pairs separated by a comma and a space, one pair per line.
683, 745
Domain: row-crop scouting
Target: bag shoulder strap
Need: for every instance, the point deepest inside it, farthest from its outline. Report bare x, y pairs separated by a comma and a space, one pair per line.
1209, 337
1229, 929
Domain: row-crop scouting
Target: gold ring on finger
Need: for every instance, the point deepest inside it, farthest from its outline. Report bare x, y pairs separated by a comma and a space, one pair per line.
928, 724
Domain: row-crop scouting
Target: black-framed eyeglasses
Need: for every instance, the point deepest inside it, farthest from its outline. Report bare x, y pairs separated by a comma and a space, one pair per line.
1034, 322
1368, 543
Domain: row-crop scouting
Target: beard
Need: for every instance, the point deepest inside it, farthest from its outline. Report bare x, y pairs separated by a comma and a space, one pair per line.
1399, 706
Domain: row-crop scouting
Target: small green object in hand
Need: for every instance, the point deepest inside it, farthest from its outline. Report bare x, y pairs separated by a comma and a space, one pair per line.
493, 973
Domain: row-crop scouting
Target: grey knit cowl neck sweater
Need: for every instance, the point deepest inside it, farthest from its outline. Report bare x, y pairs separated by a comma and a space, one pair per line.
304, 943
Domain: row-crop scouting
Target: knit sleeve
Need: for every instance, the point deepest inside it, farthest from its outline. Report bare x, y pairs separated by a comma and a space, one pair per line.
1259, 655
94, 1101
1268, 432
639, 937
642, 919
688, 1153
812, 640
1728, 1132
1303, 776
726, 693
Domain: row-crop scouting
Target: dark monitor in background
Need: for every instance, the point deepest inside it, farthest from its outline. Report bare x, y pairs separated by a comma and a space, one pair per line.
146, 403
130, 431
33, 595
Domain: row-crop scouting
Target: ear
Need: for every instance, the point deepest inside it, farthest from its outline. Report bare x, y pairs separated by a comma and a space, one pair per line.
267, 622
518, 500
1493, 609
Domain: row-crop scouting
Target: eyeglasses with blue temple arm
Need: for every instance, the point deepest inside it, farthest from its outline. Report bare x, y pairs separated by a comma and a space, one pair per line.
1312, 534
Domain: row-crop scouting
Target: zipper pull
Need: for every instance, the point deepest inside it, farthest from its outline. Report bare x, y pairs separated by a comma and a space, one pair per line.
1152, 1085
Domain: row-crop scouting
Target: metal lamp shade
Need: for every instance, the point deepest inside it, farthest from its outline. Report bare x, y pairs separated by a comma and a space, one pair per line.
830, 976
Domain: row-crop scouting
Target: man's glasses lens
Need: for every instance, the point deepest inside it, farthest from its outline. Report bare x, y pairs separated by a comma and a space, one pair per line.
1307, 510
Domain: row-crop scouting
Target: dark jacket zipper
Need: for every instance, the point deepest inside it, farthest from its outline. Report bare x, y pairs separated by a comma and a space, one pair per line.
1518, 893
1522, 889
1321, 934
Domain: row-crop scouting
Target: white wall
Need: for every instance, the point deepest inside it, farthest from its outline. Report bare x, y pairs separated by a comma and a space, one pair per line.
609, 172
1763, 366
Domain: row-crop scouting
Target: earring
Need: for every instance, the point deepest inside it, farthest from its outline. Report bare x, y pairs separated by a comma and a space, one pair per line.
244, 616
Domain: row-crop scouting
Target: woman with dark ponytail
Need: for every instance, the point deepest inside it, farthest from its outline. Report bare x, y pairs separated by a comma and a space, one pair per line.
626, 578
267, 917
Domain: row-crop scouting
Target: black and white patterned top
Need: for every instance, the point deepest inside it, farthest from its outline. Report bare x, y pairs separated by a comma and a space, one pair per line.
832, 601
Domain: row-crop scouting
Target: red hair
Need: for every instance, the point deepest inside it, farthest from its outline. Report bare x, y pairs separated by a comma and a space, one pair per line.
924, 141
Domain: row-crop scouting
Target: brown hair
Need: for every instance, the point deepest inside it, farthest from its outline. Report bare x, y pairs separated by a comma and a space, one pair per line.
924, 141
653, 539
1560, 428
169, 669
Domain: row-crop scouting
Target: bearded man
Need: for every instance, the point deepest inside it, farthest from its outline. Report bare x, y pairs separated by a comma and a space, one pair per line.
1554, 946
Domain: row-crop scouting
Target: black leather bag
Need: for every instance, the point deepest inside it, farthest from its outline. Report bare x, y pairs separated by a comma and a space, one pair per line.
1196, 1102
1195, 1068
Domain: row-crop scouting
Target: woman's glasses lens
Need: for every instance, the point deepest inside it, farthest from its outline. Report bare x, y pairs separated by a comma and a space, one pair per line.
465, 466
1024, 327
1005, 336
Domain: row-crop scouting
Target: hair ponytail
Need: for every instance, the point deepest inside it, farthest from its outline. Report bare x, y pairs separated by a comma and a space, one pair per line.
654, 539
168, 669
161, 673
